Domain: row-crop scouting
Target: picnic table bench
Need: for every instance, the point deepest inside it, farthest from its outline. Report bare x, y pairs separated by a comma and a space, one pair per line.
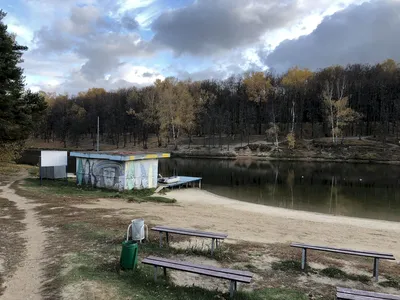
374, 255
350, 294
234, 276
213, 236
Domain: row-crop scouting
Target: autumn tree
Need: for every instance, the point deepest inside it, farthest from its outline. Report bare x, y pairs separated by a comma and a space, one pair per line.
175, 111
257, 88
295, 83
149, 114
336, 102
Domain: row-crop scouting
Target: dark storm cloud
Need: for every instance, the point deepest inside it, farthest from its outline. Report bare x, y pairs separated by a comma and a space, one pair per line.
209, 26
368, 33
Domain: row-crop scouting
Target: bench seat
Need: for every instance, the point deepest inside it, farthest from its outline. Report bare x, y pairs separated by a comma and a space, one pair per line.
375, 255
350, 294
233, 275
214, 236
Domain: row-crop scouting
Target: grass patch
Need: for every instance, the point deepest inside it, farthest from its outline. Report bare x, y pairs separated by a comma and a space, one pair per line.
223, 253
339, 274
9, 169
158, 199
69, 188
288, 265
88, 233
250, 267
391, 282
272, 294
332, 272
140, 283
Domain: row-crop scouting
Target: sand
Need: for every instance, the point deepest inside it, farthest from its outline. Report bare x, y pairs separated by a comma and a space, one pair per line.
258, 223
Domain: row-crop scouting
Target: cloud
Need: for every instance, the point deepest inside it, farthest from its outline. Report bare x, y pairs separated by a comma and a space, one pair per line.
126, 75
24, 33
366, 33
78, 44
147, 74
213, 25
129, 22
102, 41
208, 27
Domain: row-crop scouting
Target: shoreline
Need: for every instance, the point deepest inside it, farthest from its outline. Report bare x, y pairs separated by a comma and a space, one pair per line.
209, 198
255, 223
284, 225
299, 159
351, 156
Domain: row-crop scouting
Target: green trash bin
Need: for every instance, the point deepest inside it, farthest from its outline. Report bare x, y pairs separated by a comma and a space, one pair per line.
129, 255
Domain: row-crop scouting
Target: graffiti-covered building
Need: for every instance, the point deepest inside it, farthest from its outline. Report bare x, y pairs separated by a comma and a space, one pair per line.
117, 170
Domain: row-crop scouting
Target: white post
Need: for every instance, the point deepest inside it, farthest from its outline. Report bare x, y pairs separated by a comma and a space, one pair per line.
98, 132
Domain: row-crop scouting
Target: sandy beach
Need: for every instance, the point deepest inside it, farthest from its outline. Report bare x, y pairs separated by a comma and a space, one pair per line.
262, 224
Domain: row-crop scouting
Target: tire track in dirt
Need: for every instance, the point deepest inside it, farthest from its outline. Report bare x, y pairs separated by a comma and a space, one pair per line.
25, 282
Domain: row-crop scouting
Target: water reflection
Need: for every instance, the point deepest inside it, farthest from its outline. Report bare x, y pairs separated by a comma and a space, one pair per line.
360, 190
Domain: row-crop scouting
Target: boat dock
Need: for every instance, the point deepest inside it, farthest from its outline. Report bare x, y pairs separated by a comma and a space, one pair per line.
185, 181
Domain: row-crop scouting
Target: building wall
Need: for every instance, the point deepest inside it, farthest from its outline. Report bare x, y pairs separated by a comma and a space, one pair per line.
141, 174
117, 175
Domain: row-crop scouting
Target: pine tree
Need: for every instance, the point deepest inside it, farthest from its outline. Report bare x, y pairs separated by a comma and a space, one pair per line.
20, 111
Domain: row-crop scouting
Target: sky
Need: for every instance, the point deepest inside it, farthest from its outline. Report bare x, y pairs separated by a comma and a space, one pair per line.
78, 44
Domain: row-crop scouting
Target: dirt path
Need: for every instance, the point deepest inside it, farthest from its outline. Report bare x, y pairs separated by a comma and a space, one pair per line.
25, 283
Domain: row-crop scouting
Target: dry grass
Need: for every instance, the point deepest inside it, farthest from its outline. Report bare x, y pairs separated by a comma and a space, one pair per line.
84, 244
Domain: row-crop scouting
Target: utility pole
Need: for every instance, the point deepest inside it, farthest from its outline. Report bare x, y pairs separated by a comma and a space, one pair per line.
98, 132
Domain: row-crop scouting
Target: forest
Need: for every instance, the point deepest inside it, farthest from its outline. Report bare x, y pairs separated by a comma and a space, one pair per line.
335, 102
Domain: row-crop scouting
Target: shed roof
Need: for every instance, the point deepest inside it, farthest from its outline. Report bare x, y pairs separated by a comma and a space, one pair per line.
120, 155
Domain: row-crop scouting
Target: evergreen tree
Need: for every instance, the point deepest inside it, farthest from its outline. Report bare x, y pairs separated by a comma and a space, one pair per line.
20, 111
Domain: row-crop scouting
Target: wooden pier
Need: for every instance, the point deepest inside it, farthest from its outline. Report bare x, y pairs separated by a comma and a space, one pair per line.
185, 181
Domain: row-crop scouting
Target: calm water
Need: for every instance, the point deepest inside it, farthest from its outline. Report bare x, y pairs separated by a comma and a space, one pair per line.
358, 190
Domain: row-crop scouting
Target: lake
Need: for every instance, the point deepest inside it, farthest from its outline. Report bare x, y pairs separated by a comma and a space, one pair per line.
357, 190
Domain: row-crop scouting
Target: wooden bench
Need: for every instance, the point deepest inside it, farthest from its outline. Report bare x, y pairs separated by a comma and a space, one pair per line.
214, 236
234, 276
374, 255
350, 294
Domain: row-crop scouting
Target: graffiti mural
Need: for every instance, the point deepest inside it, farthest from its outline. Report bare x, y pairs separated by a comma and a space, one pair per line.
100, 173
140, 174
117, 175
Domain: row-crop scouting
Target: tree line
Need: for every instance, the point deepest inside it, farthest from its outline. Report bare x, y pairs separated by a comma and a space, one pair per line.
335, 102
20, 109
356, 100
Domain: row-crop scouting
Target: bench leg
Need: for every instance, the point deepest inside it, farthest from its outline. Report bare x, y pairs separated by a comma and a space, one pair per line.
303, 259
155, 273
376, 268
235, 285
160, 239
165, 271
232, 288
212, 246
167, 238
216, 244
